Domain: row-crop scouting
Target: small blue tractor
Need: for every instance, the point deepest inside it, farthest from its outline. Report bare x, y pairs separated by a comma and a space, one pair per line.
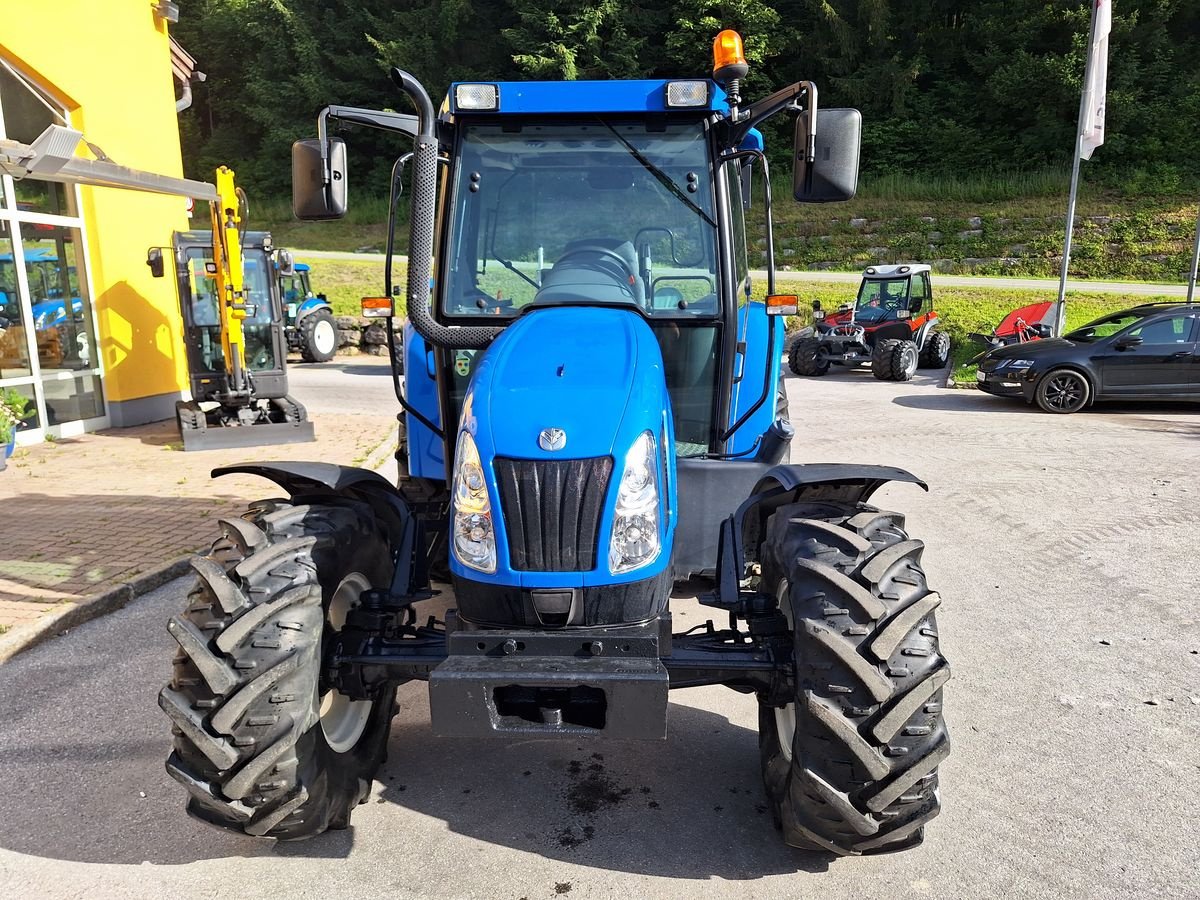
591, 415
309, 326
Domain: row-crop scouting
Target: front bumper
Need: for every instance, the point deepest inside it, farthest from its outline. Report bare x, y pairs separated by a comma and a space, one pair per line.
601, 682
1002, 383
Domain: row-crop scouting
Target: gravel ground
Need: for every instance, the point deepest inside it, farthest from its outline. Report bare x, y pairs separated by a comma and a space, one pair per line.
1064, 548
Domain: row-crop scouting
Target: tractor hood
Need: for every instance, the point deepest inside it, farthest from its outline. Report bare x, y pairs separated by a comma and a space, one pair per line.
594, 374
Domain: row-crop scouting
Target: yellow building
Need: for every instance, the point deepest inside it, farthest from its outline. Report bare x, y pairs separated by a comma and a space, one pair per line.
85, 330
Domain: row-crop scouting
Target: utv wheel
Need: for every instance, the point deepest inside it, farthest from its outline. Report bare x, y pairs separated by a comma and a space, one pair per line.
850, 766
936, 352
894, 360
1063, 391
263, 744
804, 358
318, 336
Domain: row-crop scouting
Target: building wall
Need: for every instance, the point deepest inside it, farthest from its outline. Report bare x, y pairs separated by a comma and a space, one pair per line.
108, 62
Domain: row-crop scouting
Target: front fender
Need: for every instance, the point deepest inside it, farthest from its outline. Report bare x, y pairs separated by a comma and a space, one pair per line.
742, 532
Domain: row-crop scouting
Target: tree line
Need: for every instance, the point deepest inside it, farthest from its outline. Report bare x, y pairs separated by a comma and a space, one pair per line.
945, 86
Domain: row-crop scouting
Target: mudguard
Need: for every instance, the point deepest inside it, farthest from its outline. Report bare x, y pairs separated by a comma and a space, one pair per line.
318, 479
742, 532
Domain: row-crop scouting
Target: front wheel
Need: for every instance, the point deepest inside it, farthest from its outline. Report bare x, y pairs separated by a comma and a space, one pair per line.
318, 336
894, 360
1063, 391
263, 744
850, 766
805, 358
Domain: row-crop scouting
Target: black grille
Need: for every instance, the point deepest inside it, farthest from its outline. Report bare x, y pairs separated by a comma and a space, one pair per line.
552, 511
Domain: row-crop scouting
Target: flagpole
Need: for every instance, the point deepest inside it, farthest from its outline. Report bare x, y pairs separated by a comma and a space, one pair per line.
1191, 294
1083, 111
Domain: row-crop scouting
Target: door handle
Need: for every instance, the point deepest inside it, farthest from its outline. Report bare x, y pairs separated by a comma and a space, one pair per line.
1182, 354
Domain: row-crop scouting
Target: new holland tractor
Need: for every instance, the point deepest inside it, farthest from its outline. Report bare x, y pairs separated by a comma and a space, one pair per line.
590, 418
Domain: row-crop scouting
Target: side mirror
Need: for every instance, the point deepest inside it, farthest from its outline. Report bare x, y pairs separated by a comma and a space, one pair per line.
1128, 343
154, 259
283, 259
312, 198
833, 174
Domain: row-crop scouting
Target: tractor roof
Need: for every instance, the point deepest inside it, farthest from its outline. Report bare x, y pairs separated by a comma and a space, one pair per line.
568, 97
899, 270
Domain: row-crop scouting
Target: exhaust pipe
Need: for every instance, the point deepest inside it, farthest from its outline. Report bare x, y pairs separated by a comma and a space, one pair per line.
421, 224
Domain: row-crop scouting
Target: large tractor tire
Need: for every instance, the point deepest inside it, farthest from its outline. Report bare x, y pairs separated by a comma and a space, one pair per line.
850, 766
805, 358
263, 745
936, 352
318, 336
894, 360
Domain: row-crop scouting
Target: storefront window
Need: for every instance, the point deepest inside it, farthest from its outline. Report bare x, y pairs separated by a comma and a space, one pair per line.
14, 343
48, 347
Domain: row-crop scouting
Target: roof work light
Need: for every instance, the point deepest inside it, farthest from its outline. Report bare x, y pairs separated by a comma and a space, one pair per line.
476, 96
729, 58
687, 93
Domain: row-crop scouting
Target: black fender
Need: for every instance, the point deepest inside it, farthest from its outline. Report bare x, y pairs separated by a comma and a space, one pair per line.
319, 480
741, 533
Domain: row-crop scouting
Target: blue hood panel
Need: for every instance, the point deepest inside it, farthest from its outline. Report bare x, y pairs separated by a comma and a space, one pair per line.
573, 368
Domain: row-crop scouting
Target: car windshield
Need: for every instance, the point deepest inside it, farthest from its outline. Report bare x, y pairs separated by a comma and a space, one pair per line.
608, 212
881, 299
1106, 326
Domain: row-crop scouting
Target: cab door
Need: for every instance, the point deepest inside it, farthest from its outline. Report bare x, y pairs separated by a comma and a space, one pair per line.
1156, 357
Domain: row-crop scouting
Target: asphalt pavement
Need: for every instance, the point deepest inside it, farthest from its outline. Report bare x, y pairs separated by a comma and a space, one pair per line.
1063, 547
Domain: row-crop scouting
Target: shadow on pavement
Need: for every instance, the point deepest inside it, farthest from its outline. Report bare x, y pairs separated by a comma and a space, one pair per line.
692, 806
966, 401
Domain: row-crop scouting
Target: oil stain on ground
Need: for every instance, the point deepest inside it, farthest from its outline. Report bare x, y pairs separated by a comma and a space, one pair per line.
590, 790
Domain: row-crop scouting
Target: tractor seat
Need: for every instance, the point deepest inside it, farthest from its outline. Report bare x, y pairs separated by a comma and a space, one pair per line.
580, 275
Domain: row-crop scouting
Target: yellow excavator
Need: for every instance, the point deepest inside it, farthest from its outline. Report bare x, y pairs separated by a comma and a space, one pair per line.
237, 401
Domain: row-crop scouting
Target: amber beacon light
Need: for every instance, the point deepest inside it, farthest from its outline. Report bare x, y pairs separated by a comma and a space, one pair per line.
729, 58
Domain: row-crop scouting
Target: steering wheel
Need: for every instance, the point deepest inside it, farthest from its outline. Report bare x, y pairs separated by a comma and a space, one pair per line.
600, 251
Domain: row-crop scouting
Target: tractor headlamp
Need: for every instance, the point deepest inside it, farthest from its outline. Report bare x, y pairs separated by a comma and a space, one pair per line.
635, 541
474, 539
476, 96
687, 93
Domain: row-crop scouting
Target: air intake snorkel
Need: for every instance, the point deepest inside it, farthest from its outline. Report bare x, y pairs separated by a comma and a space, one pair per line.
421, 224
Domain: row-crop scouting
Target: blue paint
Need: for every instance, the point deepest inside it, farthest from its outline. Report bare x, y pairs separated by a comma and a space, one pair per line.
753, 330
611, 389
426, 457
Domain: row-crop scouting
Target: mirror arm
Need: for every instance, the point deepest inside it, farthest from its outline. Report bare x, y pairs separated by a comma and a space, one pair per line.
354, 115
785, 98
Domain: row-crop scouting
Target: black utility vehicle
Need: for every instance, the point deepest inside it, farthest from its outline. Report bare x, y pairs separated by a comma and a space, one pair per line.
1145, 353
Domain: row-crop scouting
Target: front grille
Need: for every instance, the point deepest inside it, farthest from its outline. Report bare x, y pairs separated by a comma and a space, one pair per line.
552, 511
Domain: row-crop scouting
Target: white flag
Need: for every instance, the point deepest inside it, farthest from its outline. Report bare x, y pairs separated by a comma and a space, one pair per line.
1095, 82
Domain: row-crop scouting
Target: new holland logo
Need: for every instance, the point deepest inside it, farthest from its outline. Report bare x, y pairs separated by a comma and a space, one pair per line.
552, 439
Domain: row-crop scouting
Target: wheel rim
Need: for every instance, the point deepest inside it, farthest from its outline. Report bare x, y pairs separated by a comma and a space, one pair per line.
910, 361
324, 337
1064, 392
343, 720
785, 717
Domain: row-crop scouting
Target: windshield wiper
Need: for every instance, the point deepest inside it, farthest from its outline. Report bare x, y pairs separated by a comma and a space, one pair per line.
508, 265
663, 178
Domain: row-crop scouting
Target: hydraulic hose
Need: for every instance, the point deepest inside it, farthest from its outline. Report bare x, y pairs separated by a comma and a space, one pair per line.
421, 225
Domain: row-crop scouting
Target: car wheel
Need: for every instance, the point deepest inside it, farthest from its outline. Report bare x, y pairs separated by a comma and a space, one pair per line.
1063, 391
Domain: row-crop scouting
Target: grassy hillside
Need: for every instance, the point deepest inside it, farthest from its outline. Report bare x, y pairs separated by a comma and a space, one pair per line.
1010, 225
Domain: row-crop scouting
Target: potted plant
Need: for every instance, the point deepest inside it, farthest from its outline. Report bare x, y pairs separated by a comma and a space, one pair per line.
15, 408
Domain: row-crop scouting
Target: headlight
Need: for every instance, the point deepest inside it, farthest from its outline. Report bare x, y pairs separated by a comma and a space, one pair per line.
635, 540
474, 539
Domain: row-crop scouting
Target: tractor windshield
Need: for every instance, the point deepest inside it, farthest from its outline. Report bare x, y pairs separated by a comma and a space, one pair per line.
881, 299
606, 212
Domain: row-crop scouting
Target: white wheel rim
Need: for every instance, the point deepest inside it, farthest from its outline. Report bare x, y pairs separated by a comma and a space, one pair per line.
785, 717
910, 363
324, 338
344, 720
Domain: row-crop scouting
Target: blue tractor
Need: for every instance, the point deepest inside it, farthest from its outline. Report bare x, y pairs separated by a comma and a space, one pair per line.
309, 325
591, 416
